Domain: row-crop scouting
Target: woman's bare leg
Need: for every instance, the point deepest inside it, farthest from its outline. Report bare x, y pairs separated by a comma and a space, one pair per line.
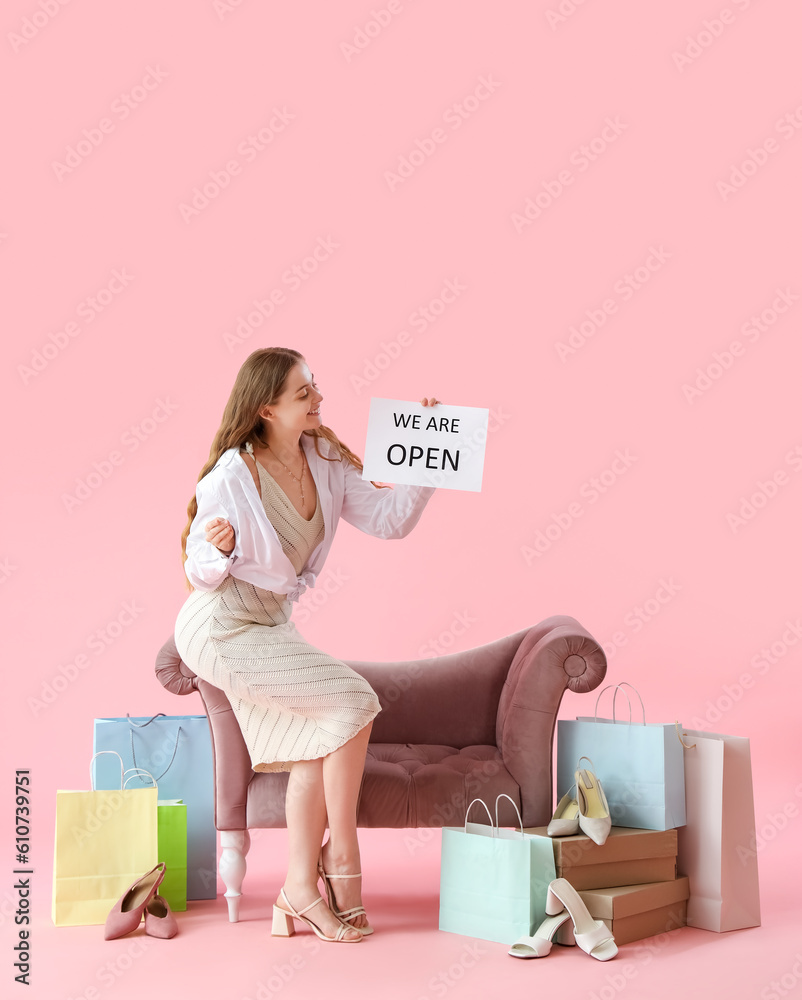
306, 823
342, 778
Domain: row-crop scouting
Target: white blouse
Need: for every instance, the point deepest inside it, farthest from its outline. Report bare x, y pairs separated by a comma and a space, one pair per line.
228, 491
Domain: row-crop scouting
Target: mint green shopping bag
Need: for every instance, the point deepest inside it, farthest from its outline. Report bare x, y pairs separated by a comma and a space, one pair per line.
172, 829
493, 881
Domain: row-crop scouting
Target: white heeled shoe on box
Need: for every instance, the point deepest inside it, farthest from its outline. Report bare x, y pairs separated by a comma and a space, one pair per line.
565, 821
592, 936
594, 812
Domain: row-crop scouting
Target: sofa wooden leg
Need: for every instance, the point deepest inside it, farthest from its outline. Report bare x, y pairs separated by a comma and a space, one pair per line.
235, 844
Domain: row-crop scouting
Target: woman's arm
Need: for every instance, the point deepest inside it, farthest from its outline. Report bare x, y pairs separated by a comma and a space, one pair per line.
206, 565
386, 512
257, 556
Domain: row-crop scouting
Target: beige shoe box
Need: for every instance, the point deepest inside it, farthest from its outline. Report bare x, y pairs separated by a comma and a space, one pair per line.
632, 912
628, 857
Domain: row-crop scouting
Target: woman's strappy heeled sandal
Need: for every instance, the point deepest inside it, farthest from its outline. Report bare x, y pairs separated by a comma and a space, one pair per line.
284, 922
346, 915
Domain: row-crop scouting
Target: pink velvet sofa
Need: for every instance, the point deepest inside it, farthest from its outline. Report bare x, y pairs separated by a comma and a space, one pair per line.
460, 726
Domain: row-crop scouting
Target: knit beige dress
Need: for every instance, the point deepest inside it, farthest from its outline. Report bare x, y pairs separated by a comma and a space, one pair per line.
292, 701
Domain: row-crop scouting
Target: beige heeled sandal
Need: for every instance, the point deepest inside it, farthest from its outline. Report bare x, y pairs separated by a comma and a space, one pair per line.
345, 915
284, 922
594, 812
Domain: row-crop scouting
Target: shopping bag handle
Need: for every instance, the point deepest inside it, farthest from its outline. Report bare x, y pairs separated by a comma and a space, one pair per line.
688, 746
141, 725
503, 795
131, 772
617, 688
486, 810
92, 772
178, 736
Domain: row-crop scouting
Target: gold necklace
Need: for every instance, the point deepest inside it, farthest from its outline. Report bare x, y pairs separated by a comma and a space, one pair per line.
297, 480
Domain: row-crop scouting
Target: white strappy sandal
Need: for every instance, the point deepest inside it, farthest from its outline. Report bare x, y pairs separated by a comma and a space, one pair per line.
284, 922
346, 915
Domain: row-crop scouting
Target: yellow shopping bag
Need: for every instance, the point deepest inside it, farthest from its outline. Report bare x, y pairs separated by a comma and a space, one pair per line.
105, 841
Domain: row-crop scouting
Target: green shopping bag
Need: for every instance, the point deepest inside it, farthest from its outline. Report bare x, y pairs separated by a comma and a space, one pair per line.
172, 825
493, 881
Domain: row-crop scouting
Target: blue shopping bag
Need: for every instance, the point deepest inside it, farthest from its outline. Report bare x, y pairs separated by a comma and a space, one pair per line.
493, 881
177, 750
639, 765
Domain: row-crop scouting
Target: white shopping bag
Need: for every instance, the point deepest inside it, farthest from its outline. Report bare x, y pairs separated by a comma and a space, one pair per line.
716, 847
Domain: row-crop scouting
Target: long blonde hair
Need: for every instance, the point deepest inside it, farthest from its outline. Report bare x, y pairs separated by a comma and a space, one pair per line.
259, 382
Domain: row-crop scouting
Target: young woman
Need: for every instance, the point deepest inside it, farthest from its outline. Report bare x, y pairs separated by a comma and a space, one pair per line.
260, 526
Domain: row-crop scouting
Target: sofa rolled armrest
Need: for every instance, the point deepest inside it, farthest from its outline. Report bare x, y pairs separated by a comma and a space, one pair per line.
229, 752
172, 672
558, 654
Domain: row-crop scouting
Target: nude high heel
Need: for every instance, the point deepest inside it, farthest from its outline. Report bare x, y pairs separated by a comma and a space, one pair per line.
594, 812
345, 915
284, 918
565, 821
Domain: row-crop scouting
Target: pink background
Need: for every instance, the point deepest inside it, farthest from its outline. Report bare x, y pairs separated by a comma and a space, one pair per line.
684, 598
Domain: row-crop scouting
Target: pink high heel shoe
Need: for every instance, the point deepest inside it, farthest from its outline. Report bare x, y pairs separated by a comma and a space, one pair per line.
126, 914
159, 919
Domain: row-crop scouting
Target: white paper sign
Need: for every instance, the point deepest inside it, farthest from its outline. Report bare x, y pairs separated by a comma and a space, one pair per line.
419, 445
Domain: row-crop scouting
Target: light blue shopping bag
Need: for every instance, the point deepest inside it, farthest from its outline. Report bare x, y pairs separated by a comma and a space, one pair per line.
177, 750
493, 881
640, 766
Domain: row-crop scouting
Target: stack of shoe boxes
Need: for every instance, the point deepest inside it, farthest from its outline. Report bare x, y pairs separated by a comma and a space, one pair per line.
630, 882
